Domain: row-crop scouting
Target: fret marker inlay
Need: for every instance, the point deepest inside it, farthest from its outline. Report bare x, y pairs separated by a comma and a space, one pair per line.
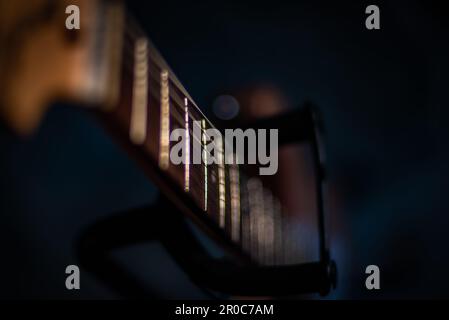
138, 125
164, 143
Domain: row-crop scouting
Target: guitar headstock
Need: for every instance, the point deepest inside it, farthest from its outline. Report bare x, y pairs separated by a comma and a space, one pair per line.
41, 60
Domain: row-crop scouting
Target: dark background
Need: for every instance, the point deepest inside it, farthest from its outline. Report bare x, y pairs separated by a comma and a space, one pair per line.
384, 98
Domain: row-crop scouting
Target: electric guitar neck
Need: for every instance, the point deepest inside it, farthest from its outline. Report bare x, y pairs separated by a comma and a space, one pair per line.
110, 67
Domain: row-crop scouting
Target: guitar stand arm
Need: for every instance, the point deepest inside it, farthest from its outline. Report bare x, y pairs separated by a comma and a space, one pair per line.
137, 226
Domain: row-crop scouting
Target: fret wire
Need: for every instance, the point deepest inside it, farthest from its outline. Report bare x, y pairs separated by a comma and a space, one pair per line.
177, 116
221, 183
187, 149
164, 143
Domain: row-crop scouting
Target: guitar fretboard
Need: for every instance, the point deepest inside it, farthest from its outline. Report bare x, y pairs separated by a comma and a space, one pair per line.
152, 103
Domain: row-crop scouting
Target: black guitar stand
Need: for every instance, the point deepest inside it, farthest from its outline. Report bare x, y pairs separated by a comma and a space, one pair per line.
222, 275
